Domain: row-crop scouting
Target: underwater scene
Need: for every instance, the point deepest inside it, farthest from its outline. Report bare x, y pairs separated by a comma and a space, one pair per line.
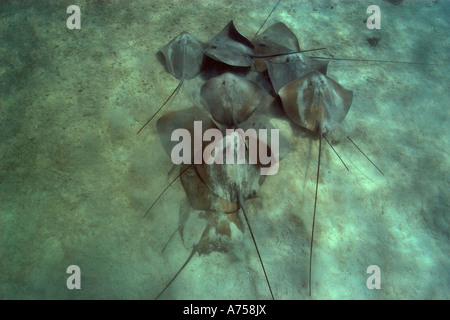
200, 149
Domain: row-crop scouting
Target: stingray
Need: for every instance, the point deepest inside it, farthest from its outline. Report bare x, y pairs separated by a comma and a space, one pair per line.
311, 114
276, 39
221, 188
232, 48
287, 63
285, 69
184, 58
232, 100
183, 119
215, 237
317, 103
213, 187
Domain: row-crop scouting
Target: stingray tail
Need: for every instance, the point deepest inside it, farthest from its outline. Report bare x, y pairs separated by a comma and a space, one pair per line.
377, 61
162, 106
329, 143
365, 155
287, 53
241, 204
165, 189
194, 250
314, 213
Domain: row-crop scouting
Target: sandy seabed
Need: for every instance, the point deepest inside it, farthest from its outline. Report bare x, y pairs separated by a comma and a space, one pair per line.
75, 179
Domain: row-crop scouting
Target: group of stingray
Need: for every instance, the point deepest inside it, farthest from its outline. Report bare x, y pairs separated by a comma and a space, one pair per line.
244, 80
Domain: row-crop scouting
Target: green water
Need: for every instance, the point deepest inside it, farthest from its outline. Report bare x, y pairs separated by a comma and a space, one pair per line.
76, 180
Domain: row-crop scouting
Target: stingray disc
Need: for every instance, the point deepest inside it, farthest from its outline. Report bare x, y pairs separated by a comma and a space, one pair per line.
230, 179
231, 99
285, 69
262, 121
316, 101
184, 56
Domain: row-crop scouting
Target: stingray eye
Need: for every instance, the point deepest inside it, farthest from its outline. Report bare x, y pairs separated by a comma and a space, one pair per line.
310, 83
213, 47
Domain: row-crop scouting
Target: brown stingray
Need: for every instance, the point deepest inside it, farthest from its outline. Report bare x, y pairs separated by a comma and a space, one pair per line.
215, 237
232, 48
223, 188
285, 69
231, 99
184, 57
276, 39
202, 178
317, 103
233, 182
225, 180
200, 196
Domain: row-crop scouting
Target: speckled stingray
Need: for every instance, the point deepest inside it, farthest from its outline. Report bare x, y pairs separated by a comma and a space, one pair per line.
184, 57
